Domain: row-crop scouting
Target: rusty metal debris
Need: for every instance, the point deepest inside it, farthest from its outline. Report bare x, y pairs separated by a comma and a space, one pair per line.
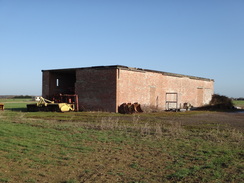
1, 107
128, 108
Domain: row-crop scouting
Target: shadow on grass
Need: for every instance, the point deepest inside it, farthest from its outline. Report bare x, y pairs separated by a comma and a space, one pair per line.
218, 108
21, 109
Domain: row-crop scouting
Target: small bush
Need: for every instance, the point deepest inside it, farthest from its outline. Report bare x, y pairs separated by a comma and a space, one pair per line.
221, 101
218, 102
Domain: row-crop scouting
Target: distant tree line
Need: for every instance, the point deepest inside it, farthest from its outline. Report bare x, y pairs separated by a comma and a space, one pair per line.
240, 98
22, 97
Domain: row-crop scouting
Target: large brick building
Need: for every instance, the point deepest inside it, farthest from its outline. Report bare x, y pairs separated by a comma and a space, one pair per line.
104, 88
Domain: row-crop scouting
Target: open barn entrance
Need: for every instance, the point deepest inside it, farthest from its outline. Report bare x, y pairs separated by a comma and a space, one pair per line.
62, 87
63, 82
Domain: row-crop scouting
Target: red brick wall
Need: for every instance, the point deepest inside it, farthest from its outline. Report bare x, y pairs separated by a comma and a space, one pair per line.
45, 84
96, 89
150, 88
194, 91
139, 86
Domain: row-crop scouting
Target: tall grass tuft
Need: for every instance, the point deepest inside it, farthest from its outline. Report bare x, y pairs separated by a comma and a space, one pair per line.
145, 129
222, 136
109, 123
176, 129
158, 130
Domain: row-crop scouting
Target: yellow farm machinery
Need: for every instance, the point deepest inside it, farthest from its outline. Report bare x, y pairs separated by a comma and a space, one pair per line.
60, 103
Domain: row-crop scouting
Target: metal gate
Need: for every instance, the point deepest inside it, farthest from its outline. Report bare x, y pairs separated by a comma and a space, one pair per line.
171, 101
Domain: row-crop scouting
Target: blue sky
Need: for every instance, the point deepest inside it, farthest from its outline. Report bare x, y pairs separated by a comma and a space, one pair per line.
192, 37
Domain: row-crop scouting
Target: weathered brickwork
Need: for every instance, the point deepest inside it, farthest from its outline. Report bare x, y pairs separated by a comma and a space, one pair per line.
105, 88
96, 89
45, 83
149, 88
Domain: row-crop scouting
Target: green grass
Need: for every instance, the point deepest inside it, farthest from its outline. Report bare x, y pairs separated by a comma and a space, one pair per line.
109, 147
15, 104
239, 103
22, 140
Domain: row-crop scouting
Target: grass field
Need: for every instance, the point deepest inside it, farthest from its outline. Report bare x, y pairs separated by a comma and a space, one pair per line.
239, 103
107, 147
15, 104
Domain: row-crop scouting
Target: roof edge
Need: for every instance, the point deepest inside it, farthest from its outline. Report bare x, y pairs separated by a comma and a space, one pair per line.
133, 69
